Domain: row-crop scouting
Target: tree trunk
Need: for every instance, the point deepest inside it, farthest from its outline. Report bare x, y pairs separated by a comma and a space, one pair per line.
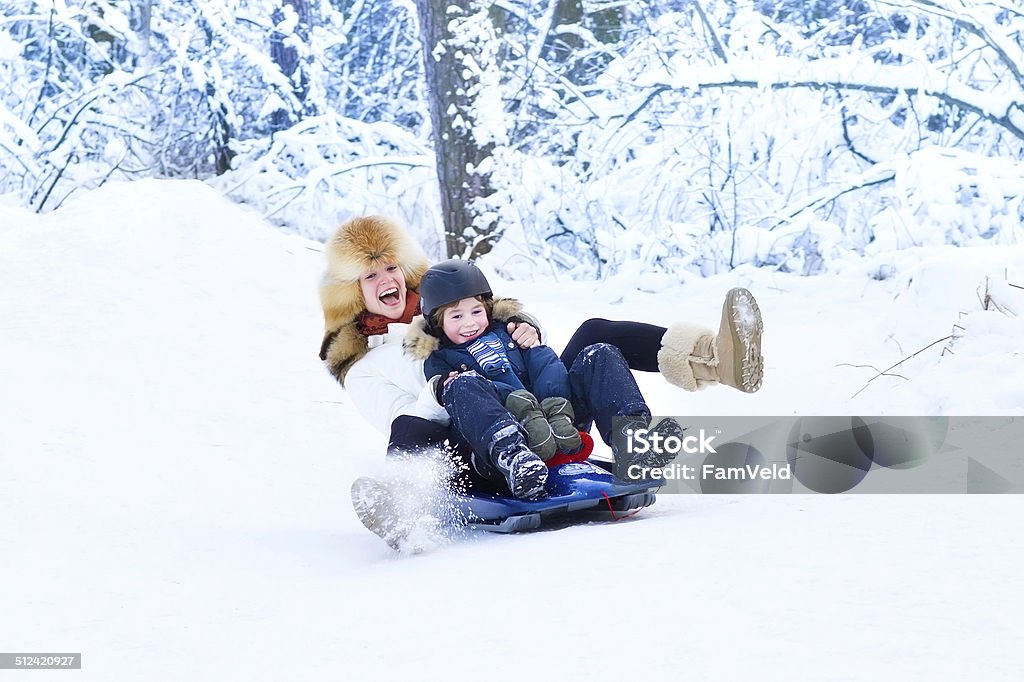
287, 59
560, 47
141, 23
451, 89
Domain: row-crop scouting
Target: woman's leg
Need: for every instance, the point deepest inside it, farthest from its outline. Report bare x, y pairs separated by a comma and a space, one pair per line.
415, 435
687, 355
638, 342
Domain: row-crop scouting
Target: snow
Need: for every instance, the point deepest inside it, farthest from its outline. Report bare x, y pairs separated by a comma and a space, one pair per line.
9, 48
175, 465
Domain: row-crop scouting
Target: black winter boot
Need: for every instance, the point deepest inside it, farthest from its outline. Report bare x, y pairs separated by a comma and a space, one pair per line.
524, 472
634, 463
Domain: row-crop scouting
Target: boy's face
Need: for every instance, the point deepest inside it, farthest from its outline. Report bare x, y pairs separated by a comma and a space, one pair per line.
464, 321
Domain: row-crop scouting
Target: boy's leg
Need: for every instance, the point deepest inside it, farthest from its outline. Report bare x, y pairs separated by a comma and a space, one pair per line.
499, 451
603, 388
605, 391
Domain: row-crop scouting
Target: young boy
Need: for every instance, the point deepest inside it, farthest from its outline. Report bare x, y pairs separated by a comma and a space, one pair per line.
472, 372
531, 383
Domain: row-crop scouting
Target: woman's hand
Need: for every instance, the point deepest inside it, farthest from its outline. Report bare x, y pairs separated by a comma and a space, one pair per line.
448, 380
524, 334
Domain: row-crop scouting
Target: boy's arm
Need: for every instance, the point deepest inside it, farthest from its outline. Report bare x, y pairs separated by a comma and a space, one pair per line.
437, 365
548, 376
437, 370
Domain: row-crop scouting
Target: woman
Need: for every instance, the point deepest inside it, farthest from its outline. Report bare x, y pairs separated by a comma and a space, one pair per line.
370, 297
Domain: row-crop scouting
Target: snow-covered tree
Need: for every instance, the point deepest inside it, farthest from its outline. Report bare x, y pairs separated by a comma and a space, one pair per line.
584, 135
728, 126
460, 57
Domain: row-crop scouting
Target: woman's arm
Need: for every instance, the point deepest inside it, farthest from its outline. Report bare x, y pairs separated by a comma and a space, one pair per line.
385, 388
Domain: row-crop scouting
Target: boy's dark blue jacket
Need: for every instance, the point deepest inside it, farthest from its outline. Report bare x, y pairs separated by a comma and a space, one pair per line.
536, 369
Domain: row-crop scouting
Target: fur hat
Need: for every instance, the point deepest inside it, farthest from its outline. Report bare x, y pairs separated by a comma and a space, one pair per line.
357, 246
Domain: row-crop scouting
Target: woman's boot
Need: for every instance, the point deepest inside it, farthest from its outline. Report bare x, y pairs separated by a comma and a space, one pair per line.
692, 356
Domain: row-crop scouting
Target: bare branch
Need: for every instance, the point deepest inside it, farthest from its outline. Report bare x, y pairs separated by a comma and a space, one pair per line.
716, 43
877, 175
967, 21
1000, 108
885, 372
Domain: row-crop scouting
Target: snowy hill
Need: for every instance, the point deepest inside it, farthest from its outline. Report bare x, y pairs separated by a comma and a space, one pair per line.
175, 464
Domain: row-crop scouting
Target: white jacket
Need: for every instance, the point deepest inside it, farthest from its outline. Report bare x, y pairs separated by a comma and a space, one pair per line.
387, 383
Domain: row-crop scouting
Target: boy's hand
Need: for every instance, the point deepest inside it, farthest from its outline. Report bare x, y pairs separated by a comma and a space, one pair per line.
441, 384
524, 334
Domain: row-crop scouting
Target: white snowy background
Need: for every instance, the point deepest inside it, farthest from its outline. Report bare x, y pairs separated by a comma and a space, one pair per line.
175, 464
175, 461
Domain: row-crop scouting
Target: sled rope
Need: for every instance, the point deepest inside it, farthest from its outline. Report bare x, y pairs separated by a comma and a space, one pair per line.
616, 517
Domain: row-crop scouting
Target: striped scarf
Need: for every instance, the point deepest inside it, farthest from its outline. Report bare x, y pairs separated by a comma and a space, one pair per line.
489, 353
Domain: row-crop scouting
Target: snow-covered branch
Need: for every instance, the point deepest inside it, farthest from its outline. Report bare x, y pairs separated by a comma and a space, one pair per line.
1002, 109
965, 16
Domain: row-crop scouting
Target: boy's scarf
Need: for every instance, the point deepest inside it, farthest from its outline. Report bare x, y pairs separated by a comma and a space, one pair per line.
489, 353
372, 324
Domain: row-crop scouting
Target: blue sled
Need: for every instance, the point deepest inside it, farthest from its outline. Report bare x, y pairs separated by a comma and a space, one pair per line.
574, 490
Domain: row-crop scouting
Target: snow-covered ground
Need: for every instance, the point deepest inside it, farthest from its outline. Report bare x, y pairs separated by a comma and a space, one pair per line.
175, 465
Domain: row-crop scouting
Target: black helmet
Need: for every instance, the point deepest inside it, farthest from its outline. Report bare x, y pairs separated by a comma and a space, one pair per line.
450, 281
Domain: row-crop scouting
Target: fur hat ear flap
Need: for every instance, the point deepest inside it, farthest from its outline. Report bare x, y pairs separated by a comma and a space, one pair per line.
341, 302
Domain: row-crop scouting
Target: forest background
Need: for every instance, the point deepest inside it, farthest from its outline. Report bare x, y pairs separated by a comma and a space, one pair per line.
579, 137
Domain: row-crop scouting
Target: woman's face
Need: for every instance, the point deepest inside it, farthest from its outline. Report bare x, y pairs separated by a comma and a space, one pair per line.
384, 290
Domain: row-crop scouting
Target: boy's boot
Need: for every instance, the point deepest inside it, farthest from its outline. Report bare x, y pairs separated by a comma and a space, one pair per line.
692, 356
634, 465
524, 407
524, 472
560, 416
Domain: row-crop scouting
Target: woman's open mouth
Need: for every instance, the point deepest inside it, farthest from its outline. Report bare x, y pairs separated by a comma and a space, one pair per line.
390, 297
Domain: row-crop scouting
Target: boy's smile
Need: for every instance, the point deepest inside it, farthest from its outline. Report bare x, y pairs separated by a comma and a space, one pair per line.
465, 321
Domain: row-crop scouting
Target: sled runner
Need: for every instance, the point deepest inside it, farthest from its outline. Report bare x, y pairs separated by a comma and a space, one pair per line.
578, 490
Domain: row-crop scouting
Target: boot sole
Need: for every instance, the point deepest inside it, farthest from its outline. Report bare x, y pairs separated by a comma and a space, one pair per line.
746, 370
372, 503
529, 479
658, 460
